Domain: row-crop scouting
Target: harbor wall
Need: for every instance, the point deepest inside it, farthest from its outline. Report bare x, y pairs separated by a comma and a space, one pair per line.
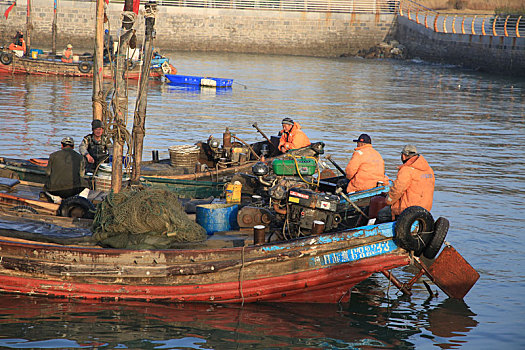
211, 29
496, 54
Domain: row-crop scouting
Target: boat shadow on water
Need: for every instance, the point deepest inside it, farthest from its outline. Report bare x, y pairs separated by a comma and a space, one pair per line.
369, 320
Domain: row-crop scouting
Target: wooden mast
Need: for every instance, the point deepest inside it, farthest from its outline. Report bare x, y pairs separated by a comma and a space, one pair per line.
120, 101
98, 63
54, 29
139, 128
29, 28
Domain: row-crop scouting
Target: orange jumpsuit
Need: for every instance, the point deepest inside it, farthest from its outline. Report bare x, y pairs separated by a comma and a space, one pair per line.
365, 169
22, 47
295, 139
67, 56
414, 185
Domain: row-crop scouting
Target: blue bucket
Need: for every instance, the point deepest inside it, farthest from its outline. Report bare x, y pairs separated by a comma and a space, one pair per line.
217, 217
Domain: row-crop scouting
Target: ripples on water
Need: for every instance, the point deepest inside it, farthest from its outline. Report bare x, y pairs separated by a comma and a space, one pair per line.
469, 126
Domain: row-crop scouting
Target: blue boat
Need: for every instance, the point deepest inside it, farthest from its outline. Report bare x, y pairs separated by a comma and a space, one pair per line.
176, 79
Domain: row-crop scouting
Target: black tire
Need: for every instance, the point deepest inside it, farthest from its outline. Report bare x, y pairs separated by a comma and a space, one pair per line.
24, 209
77, 207
440, 232
414, 229
6, 58
85, 67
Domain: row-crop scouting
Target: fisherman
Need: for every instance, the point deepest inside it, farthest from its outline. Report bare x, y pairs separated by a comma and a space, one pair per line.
95, 147
65, 171
67, 55
414, 185
366, 168
292, 136
108, 46
18, 43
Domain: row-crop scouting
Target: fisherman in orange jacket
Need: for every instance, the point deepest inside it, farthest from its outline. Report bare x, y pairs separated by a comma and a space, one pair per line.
366, 167
18, 43
414, 185
292, 136
67, 55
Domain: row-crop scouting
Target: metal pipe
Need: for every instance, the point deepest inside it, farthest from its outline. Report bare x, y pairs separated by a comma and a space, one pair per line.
329, 157
264, 135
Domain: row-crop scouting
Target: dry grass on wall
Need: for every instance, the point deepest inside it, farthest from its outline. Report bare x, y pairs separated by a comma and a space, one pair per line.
517, 6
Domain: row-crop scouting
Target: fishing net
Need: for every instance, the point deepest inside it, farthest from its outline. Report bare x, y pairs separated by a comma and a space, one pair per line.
144, 219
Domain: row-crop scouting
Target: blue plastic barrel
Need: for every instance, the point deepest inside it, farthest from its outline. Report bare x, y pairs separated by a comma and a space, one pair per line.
217, 217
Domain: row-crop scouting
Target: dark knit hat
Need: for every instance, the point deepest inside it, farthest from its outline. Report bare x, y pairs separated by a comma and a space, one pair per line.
95, 124
288, 121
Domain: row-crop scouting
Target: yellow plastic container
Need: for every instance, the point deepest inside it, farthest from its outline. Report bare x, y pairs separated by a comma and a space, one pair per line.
233, 193
34, 54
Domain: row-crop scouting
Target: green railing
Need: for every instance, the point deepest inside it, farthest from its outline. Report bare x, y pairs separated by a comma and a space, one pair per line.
456, 23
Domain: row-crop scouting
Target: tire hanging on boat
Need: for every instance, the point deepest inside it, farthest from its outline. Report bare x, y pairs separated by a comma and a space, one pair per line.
85, 67
440, 232
6, 58
77, 207
414, 229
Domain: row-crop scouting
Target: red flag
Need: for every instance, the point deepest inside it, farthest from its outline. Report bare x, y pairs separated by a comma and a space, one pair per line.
107, 2
136, 4
9, 9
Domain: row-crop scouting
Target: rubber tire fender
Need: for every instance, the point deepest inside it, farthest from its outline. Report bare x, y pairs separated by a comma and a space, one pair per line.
24, 209
414, 240
6, 58
73, 206
440, 232
85, 67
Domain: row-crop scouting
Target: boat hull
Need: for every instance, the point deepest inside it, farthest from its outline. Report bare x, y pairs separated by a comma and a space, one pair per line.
317, 269
198, 81
24, 65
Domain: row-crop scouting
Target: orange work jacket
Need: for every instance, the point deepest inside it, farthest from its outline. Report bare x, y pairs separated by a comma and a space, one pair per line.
22, 47
67, 56
365, 169
295, 139
414, 185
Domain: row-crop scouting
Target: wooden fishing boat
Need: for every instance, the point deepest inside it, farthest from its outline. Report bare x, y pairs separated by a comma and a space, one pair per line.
198, 81
227, 269
51, 65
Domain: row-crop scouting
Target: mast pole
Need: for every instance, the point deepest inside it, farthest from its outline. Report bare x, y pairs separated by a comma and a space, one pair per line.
29, 27
54, 29
120, 102
139, 128
98, 63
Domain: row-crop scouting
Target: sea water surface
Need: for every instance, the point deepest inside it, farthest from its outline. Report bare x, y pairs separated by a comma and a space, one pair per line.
469, 126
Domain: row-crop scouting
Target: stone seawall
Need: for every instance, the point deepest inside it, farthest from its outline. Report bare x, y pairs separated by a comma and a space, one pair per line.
499, 54
209, 29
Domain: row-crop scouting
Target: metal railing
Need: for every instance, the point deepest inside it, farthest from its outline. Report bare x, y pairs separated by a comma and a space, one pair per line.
331, 6
494, 25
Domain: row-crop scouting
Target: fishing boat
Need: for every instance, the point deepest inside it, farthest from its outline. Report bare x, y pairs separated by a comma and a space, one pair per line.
230, 267
177, 79
52, 65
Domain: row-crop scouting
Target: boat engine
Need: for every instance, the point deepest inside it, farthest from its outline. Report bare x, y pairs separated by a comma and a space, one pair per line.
306, 206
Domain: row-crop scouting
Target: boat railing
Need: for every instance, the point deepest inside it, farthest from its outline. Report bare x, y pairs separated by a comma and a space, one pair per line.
459, 23
329, 6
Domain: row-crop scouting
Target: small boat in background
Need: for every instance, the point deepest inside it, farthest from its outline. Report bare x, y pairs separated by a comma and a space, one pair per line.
177, 79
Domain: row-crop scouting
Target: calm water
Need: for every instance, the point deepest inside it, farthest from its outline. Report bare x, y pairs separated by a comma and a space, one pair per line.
469, 126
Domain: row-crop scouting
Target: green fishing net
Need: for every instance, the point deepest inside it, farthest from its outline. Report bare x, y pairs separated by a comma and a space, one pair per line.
144, 219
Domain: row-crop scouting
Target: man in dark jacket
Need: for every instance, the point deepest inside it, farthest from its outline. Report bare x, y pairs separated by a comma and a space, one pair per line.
95, 147
65, 171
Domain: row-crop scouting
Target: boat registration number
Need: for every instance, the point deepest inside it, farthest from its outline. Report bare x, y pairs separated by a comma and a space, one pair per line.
354, 254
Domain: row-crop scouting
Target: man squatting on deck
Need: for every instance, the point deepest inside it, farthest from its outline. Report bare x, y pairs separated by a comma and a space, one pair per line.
414, 185
292, 136
65, 171
95, 147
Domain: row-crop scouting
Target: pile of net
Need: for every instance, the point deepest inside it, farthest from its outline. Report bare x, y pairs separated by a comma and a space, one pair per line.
144, 219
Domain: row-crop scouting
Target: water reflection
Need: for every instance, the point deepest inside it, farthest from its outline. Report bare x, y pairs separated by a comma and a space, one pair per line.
369, 320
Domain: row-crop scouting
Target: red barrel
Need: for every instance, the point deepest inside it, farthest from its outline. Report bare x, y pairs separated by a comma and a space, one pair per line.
376, 204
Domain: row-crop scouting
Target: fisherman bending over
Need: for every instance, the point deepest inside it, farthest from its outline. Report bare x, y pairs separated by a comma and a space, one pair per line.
414, 185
